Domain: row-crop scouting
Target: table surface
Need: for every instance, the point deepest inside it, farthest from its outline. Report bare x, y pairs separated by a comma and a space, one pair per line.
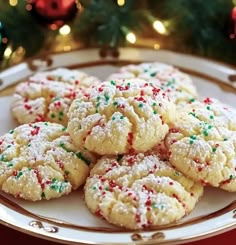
10, 236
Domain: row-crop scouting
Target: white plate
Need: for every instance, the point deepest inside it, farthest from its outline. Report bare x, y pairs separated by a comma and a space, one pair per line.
67, 219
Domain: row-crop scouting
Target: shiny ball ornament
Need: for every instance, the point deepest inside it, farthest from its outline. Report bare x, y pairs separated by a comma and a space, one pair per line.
53, 13
3, 40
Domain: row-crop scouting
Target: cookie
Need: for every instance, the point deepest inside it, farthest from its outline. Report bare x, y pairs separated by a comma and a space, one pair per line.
120, 116
139, 191
47, 96
38, 161
202, 143
178, 85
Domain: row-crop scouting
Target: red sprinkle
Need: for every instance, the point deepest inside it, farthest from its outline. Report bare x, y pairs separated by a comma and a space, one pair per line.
98, 212
130, 138
138, 218
148, 202
174, 130
207, 101
27, 107
35, 131
131, 160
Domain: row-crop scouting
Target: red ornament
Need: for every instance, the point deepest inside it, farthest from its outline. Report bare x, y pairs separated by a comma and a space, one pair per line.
232, 34
234, 13
53, 13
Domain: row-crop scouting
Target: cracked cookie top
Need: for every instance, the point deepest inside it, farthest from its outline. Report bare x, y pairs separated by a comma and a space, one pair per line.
139, 190
47, 96
38, 161
120, 116
178, 85
202, 143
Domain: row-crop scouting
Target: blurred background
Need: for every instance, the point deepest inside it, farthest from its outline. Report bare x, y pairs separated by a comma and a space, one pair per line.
30, 28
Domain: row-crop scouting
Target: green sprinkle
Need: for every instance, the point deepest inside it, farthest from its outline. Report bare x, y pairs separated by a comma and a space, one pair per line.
159, 206
191, 142
29, 145
113, 83
192, 100
3, 158
11, 131
145, 70
122, 117
97, 105
115, 103
43, 195
19, 174
214, 149
107, 189
193, 114
83, 158
63, 129
154, 104
209, 127
140, 105
53, 115
106, 97
225, 139
61, 188
211, 117
153, 74
98, 98
62, 144
128, 84
35, 126
10, 165
155, 112
94, 188
46, 123
208, 107
119, 158
205, 133
55, 99
61, 113
231, 177
113, 118
193, 137
53, 187
8, 146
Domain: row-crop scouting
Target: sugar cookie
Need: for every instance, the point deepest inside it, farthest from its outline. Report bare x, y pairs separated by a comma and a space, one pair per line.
38, 161
47, 96
139, 191
202, 143
176, 84
120, 116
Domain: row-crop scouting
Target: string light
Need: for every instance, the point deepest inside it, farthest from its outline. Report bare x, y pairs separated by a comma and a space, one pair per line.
159, 27
156, 46
13, 2
130, 37
121, 2
7, 52
64, 30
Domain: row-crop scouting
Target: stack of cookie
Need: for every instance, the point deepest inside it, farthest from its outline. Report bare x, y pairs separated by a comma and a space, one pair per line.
142, 143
